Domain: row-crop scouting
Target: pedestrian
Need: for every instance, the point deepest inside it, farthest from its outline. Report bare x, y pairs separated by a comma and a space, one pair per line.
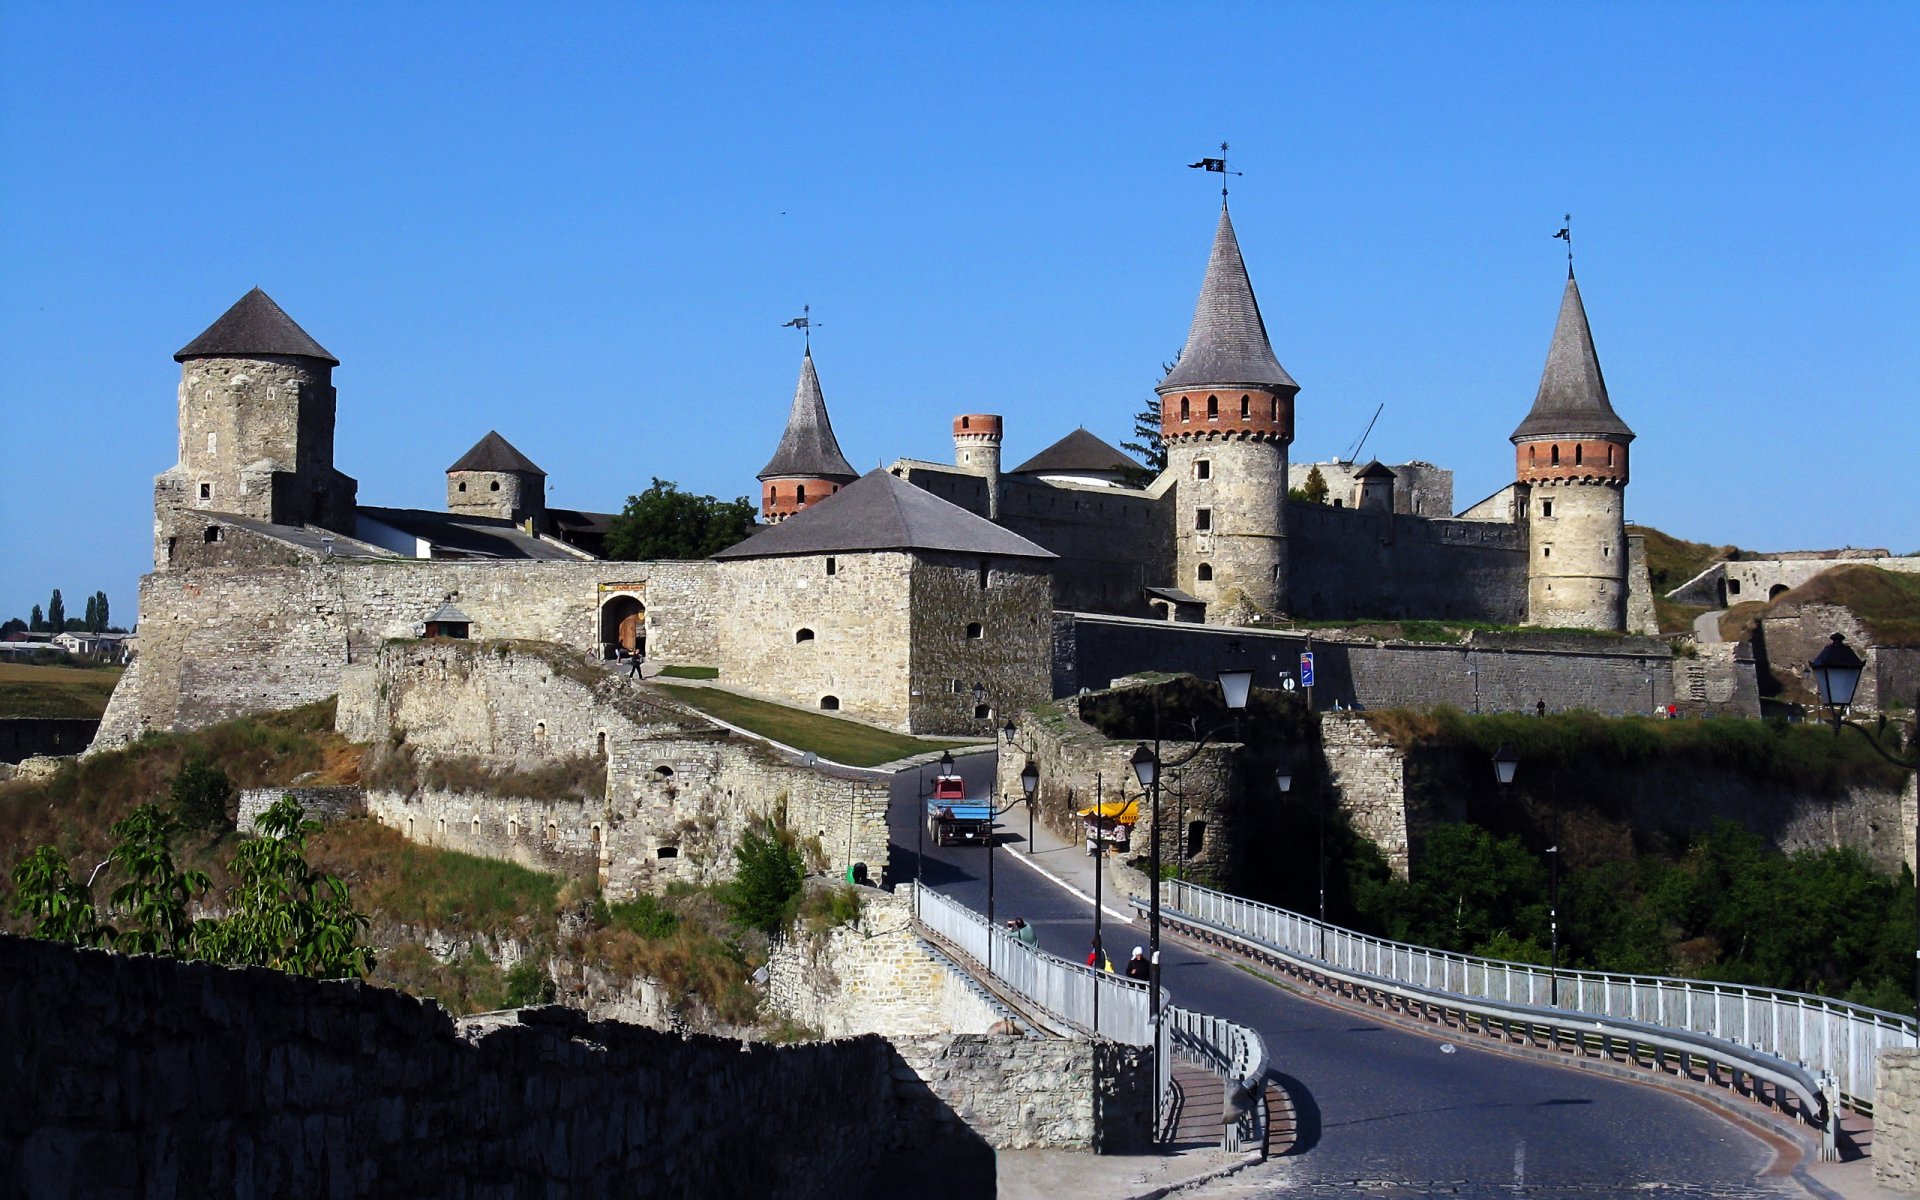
1540, 707
1024, 932
1673, 710
1137, 967
633, 665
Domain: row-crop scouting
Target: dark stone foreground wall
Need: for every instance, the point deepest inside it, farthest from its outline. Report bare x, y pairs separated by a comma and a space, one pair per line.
125, 1077
23, 737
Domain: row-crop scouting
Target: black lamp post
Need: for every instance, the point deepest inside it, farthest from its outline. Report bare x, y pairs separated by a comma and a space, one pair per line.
1836, 676
1235, 683
1012, 732
1506, 764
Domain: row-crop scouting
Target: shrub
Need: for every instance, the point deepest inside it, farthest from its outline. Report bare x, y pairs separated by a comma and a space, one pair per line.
767, 879
201, 793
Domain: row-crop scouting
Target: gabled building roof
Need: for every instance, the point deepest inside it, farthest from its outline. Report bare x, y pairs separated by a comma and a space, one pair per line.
1572, 399
1375, 469
254, 326
808, 449
1227, 344
881, 511
1078, 452
453, 535
495, 453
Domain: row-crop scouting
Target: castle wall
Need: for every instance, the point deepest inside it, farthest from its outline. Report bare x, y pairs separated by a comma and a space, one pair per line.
1420, 489
1489, 672
1013, 615
1641, 616
798, 634
1367, 774
1353, 565
182, 1078
224, 642
1728, 583
678, 794
1791, 635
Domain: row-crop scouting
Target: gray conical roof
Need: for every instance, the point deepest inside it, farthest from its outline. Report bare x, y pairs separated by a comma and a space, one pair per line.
1227, 345
1375, 469
808, 449
882, 511
255, 325
495, 453
1572, 400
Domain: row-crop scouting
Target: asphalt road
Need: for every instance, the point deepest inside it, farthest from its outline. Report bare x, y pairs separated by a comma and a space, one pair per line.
1381, 1110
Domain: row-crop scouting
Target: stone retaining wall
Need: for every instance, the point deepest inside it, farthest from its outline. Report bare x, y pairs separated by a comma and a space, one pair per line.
323, 804
135, 1077
1896, 1122
1027, 1093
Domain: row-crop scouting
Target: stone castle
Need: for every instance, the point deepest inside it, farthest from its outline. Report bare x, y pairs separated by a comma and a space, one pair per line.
926, 596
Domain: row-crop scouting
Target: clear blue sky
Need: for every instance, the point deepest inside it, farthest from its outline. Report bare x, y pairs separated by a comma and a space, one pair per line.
583, 226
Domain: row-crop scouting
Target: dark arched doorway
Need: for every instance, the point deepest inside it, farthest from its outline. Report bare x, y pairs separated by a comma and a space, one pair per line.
623, 624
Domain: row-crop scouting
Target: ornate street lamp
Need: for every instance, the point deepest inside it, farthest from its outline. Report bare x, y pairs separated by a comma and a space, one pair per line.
1505, 763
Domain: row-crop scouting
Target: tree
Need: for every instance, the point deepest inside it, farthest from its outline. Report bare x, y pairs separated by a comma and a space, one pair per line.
60, 906
664, 522
767, 878
281, 913
1316, 489
56, 613
100, 612
12, 625
155, 893
39, 623
200, 794
93, 613
1146, 427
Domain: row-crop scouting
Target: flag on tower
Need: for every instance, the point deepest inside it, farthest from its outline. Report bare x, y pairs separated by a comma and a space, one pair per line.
1211, 164
1565, 234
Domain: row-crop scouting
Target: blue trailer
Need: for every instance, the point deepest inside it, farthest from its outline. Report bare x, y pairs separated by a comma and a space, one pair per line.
955, 820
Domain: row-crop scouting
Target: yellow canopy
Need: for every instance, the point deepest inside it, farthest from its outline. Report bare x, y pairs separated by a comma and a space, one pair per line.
1121, 812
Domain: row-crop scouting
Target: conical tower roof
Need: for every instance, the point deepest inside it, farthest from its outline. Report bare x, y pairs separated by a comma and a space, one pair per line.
255, 325
808, 449
1572, 400
495, 453
1227, 345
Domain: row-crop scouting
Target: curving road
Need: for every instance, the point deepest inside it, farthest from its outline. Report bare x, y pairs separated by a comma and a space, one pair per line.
1383, 1111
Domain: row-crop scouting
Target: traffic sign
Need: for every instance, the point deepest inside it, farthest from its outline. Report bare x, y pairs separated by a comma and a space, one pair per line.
1306, 668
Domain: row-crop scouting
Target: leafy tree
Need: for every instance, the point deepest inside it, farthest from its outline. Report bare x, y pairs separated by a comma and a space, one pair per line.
529, 984
12, 625
60, 906
155, 893
767, 878
100, 612
93, 611
56, 613
39, 623
664, 522
1315, 489
284, 914
200, 795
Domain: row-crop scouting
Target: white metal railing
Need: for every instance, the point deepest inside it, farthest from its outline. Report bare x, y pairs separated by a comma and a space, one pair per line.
1235, 1053
1825, 1036
1088, 1000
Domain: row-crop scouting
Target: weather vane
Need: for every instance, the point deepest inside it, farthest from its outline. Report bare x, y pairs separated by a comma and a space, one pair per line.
1566, 235
1220, 165
804, 323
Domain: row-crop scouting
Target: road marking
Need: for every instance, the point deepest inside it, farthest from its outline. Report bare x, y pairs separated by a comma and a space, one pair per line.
1108, 909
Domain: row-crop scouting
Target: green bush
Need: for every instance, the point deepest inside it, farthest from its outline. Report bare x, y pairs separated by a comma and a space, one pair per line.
201, 794
767, 879
528, 984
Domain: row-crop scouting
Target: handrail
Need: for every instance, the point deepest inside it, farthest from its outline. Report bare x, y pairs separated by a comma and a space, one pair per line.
1238, 1055
1811, 1098
1827, 1036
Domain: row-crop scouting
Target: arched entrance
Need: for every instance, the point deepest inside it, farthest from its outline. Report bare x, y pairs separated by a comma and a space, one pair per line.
623, 623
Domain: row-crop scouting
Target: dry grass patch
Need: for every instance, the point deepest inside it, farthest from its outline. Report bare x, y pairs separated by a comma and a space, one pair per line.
27, 690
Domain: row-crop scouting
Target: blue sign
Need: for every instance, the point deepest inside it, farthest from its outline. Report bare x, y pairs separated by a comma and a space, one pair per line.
1306, 668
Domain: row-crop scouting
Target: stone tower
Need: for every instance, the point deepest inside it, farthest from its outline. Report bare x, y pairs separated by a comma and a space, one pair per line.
1374, 487
1571, 452
1226, 416
495, 480
808, 465
976, 448
256, 430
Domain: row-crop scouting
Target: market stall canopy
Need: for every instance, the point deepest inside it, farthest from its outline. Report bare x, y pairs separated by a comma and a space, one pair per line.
1120, 812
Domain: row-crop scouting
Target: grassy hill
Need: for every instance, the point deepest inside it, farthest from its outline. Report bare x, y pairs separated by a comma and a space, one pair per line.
1670, 563
1886, 602
28, 690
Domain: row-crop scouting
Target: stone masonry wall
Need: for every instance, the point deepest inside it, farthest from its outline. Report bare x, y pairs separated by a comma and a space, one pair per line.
1896, 1122
1368, 775
135, 1077
876, 976
323, 804
1026, 1093
1350, 564
1009, 602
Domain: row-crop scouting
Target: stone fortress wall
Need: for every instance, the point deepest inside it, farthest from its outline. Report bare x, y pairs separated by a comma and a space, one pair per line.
1726, 583
679, 791
1351, 564
1420, 489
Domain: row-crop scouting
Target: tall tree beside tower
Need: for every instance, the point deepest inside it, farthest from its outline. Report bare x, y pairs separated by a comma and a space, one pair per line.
56, 613
100, 612
37, 623
93, 613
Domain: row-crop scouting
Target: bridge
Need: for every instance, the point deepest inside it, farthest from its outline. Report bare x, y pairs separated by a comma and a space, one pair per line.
1430, 1073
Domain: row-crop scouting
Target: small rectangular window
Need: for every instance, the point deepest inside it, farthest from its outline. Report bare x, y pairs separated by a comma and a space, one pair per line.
1546, 552
1203, 519
1203, 468
830, 566
206, 491
983, 574
1546, 508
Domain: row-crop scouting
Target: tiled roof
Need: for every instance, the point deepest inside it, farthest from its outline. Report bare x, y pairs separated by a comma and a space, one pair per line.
255, 325
1227, 343
495, 453
881, 511
474, 537
808, 449
1078, 451
1572, 399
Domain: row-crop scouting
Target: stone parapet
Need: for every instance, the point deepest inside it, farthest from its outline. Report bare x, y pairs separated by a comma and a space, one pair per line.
1896, 1122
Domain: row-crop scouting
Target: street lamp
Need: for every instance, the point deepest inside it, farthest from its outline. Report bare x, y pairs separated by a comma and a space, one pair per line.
1506, 764
1836, 676
1012, 731
1235, 683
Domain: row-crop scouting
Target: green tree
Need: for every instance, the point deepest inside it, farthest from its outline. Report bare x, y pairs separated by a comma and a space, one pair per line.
93, 613
154, 894
100, 612
529, 984
1148, 447
200, 795
281, 913
1315, 490
767, 878
12, 625
38, 623
664, 522
60, 906
56, 613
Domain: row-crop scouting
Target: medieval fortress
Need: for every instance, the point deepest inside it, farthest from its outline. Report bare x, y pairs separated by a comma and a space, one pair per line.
926, 597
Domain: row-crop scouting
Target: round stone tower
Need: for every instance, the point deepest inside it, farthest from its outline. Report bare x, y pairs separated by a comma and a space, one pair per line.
976, 447
495, 480
1571, 455
807, 466
1226, 417
256, 429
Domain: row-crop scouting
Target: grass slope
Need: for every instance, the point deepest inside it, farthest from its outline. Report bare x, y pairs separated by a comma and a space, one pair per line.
35, 691
842, 741
1886, 602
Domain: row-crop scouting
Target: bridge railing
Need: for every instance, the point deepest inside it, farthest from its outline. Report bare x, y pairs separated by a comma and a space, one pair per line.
1826, 1036
1235, 1053
1089, 1001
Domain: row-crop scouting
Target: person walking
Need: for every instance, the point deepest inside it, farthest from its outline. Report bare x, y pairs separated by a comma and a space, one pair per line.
1137, 967
633, 665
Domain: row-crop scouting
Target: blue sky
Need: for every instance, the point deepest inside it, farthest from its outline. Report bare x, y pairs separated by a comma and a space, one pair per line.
583, 226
